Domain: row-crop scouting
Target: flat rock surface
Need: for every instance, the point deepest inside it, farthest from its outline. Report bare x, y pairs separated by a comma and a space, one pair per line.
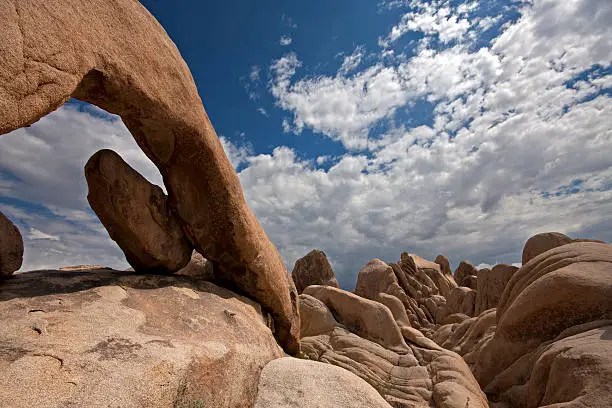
290, 382
104, 338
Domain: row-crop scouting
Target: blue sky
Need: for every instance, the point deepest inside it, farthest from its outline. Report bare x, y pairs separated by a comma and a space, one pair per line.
364, 129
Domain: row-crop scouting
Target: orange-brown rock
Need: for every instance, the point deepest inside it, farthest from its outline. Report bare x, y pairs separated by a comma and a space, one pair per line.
444, 265
105, 338
136, 215
114, 54
466, 275
460, 300
541, 243
491, 284
11, 247
416, 374
367, 318
313, 269
551, 344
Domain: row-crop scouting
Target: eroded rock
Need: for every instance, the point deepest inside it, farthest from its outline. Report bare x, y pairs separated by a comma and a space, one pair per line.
541, 243
136, 215
11, 247
490, 286
466, 275
313, 269
114, 54
290, 382
99, 338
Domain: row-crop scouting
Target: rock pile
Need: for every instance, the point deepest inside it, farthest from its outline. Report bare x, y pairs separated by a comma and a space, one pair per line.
313, 269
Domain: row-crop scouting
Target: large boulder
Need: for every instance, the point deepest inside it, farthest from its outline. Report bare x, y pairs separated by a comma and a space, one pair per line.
466, 275
551, 343
490, 286
541, 243
114, 54
367, 318
198, 267
313, 269
136, 215
11, 247
290, 382
100, 338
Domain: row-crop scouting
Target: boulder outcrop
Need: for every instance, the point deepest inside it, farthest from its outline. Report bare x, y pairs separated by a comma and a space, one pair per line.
114, 54
136, 215
313, 269
466, 275
198, 267
11, 247
490, 286
541, 243
100, 338
461, 300
412, 374
548, 341
290, 382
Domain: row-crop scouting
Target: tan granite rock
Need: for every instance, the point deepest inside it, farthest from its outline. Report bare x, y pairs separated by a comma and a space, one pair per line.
100, 338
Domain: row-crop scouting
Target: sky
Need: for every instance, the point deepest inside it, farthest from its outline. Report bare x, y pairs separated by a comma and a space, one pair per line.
363, 129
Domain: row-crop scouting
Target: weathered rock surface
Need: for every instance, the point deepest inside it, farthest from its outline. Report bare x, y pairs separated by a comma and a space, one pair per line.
11, 247
114, 54
136, 215
548, 342
313, 269
490, 286
460, 300
290, 382
417, 374
466, 275
368, 319
541, 243
104, 338
444, 265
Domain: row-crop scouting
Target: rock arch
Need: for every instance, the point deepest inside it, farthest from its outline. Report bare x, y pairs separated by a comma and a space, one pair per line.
114, 54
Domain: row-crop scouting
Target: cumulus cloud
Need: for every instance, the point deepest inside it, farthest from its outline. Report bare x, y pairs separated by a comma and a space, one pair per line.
518, 142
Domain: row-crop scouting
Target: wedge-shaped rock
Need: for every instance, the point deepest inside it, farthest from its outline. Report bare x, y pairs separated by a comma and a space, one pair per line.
11, 247
136, 215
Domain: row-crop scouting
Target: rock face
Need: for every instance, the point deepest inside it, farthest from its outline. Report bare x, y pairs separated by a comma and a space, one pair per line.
136, 215
548, 341
466, 275
114, 54
100, 338
313, 269
290, 382
417, 373
461, 300
11, 247
490, 286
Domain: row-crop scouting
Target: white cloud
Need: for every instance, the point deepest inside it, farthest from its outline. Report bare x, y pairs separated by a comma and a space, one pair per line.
263, 111
351, 62
36, 234
285, 40
236, 154
430, 20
